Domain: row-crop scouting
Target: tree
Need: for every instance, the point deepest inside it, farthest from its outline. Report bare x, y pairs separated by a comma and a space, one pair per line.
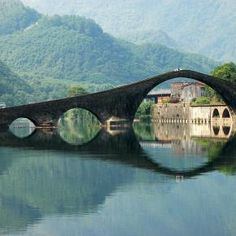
201, 101
226, 71
76, 91
145, 109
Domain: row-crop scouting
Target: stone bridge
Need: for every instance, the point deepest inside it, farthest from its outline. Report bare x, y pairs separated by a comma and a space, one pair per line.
121, 102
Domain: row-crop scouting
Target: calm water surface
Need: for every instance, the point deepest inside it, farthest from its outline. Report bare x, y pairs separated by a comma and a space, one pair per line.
152, 180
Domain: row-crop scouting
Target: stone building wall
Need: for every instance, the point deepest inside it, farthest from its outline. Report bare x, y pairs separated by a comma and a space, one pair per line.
184, 113
171, 112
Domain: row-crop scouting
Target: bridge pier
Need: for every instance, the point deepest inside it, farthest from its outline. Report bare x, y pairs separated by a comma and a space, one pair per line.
45, 122
117, 123
4, 127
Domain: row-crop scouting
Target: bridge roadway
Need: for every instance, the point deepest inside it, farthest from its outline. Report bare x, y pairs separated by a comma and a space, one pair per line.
121, 102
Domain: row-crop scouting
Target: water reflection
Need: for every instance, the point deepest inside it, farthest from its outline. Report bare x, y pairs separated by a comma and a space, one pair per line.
179, 131
44, 175
78, 126
186, 149
22, 127
154, 150
216, 130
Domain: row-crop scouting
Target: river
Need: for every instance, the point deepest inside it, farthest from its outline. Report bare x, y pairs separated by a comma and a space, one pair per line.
153, 179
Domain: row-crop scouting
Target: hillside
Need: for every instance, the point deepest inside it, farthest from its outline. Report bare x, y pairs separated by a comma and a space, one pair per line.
13, 89
14, 16
17, 90
205, 27
76, 49
55, 53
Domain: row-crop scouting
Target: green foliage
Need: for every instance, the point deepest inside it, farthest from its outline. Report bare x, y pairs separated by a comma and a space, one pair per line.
213, 147
144, 131
226, 71
145, 109
14, 16
13, 89
228, 170
201, 101
213, 96
78, 126
76, 91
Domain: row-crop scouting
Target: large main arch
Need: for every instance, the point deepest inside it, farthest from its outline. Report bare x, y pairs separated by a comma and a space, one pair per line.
226, 89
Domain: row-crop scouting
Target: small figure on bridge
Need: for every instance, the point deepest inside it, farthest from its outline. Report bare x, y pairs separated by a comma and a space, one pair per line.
177, 69
3, 105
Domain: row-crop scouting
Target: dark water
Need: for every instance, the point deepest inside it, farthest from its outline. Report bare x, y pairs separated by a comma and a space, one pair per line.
153, 180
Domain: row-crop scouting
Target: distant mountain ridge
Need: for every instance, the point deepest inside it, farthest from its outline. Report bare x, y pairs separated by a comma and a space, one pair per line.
53, 53
200, 26
14, 19
77, 49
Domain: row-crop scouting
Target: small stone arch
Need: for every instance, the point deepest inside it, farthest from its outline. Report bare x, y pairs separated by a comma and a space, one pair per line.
226, 130
23, 118
22, 127
215, 113
79, 108
216, 130
226, 113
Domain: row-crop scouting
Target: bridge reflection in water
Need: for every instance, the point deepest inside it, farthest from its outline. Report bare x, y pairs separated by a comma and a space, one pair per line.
181, 139
37, 168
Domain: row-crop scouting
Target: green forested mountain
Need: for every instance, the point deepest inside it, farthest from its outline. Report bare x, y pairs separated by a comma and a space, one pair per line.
56, 52
206, 27
152, 37
76, 49
16, 90
14, 16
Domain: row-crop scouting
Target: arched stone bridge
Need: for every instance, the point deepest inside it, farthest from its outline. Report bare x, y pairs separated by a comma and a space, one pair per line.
121, 102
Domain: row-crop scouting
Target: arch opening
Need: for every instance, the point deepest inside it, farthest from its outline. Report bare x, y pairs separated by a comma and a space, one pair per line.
171, 98
215, 113
216, 130
226, 113
226, 130
181, 100
213, 87
78, 126
22, 127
